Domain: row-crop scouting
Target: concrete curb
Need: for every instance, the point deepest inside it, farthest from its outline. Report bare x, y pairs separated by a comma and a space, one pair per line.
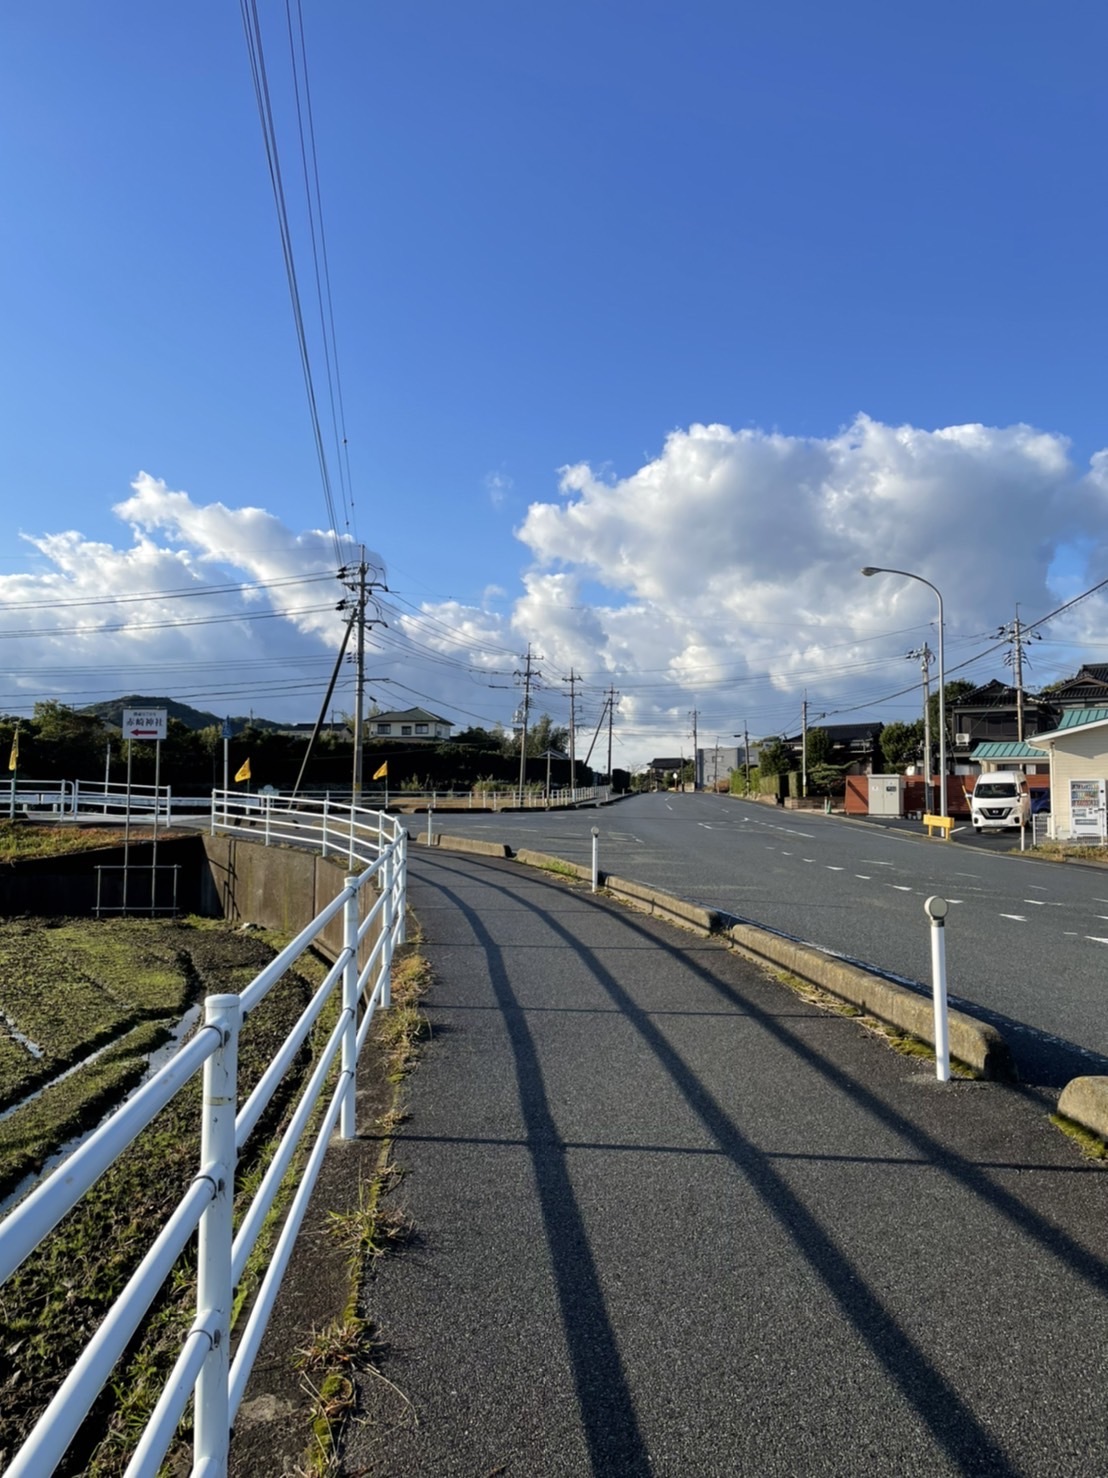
974, 1043
552, 864
468, 844
1085, 1100
664, 905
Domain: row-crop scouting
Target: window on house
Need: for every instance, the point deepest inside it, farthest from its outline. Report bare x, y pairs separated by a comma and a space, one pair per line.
405, 728
384, 728
421, 728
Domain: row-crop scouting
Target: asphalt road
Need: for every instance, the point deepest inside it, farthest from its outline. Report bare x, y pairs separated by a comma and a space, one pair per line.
1027, 941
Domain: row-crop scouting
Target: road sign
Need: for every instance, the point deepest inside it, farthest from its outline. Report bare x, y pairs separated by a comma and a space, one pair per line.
144, 723
228, 730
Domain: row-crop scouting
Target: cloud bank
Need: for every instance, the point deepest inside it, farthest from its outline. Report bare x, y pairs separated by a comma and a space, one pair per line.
721, 576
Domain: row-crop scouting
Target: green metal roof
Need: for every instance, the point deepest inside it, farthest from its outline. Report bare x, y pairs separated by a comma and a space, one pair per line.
1006, 749
1074, 718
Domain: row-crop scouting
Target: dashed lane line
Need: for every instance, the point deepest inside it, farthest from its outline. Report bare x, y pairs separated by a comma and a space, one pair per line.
1016, 918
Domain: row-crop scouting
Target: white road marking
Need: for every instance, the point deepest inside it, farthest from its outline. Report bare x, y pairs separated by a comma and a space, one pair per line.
831, 867
865, 877
1044, 902
1017, 918
900, 887
873, 862
1037, 887
784, 853
1096, 939
807, 859
707, 825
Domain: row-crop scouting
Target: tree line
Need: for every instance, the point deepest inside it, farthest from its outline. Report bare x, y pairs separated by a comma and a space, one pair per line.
61, 743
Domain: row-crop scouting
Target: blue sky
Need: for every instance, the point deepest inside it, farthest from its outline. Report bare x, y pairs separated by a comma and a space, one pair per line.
558, 237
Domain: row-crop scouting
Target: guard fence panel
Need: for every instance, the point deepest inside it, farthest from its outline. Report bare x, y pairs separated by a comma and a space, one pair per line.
371, 905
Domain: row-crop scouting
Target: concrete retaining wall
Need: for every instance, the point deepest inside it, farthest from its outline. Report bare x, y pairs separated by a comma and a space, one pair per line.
65, 886
281, 888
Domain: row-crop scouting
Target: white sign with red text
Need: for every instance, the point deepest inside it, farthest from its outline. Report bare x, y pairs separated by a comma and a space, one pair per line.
144, 723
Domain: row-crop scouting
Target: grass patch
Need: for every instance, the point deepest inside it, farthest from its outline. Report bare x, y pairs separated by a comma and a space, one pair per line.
1067, 852
1090, 1144
51, 1305
900, 1041
369, 1232
30, 1135
71, 986
23, 839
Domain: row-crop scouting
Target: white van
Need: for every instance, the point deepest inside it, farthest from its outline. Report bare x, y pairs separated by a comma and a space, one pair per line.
1000, 800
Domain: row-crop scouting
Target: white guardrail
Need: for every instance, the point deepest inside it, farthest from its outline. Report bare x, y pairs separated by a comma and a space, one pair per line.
377, 845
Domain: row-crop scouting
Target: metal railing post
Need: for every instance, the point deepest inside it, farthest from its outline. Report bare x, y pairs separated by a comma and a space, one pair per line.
326, 801
387, 888
214, 1289
402, 891
347, 1125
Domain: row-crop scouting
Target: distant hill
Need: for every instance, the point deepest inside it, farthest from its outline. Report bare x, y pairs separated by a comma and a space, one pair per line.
111, 712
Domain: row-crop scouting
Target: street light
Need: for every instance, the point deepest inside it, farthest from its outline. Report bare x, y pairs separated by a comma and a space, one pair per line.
907, 574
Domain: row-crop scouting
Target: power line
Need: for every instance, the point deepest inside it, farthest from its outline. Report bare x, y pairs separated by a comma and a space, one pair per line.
253, 32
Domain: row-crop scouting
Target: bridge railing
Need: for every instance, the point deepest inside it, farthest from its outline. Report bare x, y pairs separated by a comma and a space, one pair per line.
371, 931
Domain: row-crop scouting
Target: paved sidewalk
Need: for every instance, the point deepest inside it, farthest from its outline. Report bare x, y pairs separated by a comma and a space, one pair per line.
671, 1220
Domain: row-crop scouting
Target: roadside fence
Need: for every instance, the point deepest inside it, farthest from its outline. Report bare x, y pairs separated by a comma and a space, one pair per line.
372, 928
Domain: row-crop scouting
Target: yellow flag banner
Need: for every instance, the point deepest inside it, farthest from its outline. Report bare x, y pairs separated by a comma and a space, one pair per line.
13, 758
381, 771
243, 771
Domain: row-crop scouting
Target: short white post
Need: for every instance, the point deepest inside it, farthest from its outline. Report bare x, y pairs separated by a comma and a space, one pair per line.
212, 1431
347, 1127
595, 857
326, 799
936, 911
430, 819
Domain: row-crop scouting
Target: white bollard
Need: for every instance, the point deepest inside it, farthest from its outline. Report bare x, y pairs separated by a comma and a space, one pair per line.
430, 818
937, 911
595, 857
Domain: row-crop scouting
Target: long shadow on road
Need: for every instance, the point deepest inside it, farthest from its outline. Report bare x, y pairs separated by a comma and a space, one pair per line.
613, 1434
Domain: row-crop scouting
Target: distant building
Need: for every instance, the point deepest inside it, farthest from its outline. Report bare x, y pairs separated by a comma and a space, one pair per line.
852, 745
411, 724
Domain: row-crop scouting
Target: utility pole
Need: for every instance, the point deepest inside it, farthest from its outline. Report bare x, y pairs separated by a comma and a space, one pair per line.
1016, 634
359, 685
572, 679
924, 655
612, 696
528, 675
804, 746
746, 757
355, 580
695, 752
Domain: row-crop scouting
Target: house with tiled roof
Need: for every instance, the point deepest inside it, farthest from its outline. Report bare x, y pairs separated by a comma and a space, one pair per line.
990, 715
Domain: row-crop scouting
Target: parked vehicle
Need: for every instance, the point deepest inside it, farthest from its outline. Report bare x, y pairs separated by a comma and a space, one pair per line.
1000, 800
